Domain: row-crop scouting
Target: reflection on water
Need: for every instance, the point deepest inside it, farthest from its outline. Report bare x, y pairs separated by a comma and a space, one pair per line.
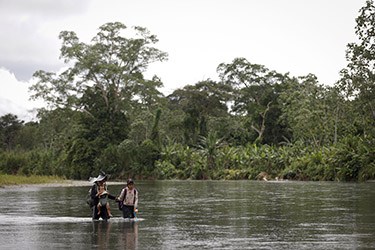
195, 214
126, 237
129, 235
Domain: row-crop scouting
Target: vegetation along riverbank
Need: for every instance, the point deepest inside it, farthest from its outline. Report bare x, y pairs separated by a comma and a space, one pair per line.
252, 123
7, 180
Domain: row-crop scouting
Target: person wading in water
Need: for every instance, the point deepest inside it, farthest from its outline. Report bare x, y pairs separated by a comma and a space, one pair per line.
128, 200
100, 196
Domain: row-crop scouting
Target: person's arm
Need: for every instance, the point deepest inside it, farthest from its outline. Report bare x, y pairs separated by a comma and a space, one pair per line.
111, 197
121, 197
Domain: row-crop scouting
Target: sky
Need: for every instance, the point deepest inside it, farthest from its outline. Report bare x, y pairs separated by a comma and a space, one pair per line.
295, 36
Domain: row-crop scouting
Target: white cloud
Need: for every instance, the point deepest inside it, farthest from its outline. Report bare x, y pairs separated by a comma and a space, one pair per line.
293, 36
14, 97
29, 33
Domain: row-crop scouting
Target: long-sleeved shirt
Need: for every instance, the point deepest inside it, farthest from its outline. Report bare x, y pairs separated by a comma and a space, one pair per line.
129, 199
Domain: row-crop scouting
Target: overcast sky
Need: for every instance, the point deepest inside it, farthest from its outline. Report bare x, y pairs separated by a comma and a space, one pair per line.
296, 36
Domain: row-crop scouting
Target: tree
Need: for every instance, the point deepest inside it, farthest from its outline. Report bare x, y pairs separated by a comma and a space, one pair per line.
112, 63
339, 112
56, 127
200, 102
111, 68
257, 92
311, 111
209, 146
357, 79
104, 81
155, 129
10, 126
28, 137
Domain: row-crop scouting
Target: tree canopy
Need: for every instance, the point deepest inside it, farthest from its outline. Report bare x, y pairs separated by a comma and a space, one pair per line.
252, 123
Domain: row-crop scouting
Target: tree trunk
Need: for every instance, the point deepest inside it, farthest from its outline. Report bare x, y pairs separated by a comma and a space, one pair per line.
336, 121
263, 126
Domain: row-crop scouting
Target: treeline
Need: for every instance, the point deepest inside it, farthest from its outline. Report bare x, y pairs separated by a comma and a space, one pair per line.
254, 123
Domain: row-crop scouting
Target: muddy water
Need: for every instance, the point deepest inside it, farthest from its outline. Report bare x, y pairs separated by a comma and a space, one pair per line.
195, 214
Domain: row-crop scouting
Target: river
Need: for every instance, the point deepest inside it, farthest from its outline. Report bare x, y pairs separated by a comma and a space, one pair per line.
195, 215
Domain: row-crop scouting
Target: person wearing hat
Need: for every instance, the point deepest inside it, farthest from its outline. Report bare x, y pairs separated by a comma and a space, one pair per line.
100, 195
128, 200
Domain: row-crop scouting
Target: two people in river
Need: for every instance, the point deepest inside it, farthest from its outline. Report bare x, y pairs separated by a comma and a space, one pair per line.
128, 199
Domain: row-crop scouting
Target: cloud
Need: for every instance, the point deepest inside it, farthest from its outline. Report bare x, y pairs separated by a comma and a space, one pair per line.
43, 8
293, 36
14, 97
29, 33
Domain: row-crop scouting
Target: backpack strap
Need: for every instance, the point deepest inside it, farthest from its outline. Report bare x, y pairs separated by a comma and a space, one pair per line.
135, 192
125, 191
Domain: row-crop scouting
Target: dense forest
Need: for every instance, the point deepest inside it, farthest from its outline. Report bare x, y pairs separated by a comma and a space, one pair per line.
253, 123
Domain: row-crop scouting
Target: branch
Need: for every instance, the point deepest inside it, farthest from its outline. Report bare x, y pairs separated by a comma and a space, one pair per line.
102, 90
86, 111
75, 107
263, 127
253, 127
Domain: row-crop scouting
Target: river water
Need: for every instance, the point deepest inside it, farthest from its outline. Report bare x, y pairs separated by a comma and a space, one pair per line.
195, 215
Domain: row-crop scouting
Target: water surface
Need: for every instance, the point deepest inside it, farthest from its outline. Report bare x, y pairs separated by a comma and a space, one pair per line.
195, 214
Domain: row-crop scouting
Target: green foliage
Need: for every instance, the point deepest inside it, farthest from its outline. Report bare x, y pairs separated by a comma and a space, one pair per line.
147, 154
126, 156
10, 126
165, 170
350, 159
200, 103
104, 83
254, 124
155, 128
257, 90
33, 162
81, 155
11, 163
357, 79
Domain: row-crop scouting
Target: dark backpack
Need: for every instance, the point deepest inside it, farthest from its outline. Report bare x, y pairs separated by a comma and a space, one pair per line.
89, 199
121, 203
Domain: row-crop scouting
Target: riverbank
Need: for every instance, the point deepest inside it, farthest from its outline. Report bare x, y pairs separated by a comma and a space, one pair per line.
50, 182
7, 181
66, 183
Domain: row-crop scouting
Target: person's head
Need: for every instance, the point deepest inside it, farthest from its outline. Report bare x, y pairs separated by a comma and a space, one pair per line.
101, 179
130, 183
101, 182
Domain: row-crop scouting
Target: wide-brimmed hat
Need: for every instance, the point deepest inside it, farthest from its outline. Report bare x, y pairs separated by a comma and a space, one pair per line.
101, 176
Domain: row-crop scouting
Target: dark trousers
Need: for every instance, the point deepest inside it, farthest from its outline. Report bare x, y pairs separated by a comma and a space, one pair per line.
103, 213
128, 211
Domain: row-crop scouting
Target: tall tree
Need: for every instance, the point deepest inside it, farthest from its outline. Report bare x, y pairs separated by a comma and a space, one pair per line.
28, 136
104, 81
112, 67
357, 79
257, 92
199, 102
10, 126
56, 126
305, 110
